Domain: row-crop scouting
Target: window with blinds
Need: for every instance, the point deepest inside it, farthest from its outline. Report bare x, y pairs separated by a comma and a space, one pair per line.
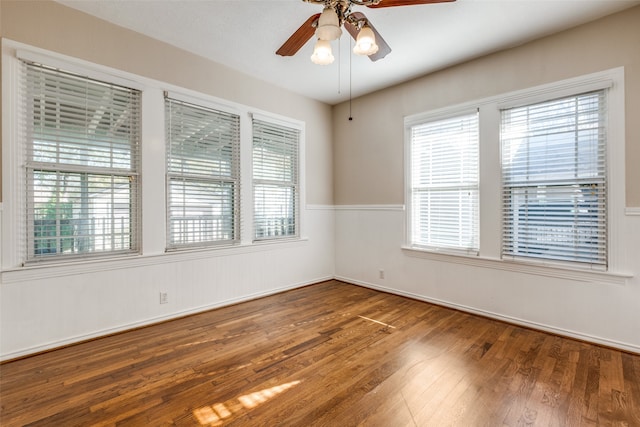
554, 180
276, 193
203, 175
444, 183
82, 162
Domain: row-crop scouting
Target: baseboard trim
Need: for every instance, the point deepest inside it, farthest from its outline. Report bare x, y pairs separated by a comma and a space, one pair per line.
78, 339
507, 319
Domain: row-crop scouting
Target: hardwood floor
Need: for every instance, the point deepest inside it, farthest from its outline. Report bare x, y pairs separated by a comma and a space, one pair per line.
330, 354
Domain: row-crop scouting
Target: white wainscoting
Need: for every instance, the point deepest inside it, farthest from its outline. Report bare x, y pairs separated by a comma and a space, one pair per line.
607, 312
46, 307
40, 310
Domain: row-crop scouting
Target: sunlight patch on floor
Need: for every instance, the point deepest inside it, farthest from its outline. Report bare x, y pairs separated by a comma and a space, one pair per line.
254, 399
218, 413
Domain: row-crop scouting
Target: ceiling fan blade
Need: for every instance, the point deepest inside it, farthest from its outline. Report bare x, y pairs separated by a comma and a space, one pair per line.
299, 38
393, 3
383, 47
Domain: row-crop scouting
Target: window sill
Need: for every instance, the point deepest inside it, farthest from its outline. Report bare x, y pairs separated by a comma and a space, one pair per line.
70, 268
522, 267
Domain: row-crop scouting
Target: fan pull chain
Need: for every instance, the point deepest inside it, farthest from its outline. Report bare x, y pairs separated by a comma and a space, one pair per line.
339, 64
350, 116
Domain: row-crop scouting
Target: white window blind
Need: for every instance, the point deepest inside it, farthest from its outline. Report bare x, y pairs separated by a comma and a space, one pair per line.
203, 175
276, 192
554, 180
444, 183
82, 152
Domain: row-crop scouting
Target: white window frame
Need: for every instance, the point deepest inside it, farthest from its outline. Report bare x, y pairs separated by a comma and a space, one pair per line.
295, 183
80, 166
426, 119
153, 173
236, 175
489, 255
539, 233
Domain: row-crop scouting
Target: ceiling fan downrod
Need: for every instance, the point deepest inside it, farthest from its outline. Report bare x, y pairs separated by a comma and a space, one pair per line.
343, 10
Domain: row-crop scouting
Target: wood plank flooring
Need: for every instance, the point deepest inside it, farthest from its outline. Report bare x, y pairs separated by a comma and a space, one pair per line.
330, 354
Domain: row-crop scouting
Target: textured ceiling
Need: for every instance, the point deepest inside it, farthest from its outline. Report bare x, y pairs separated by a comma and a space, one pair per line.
244, 35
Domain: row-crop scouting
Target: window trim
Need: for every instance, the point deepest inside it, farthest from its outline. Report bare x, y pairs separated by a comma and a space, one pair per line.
14, 232
490, 178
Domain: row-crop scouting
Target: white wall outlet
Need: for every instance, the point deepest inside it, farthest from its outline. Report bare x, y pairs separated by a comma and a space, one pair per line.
164, 297
381, 274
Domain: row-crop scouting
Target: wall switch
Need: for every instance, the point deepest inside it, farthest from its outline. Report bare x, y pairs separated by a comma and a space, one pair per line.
381, 274
164, 297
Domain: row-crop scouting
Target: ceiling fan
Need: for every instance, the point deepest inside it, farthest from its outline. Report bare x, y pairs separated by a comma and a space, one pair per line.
336, 13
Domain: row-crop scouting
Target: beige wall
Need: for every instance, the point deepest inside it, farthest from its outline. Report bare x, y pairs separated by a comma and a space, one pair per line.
49, 25
368, 151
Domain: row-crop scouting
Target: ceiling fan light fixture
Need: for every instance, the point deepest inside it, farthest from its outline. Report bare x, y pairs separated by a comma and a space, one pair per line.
328, 25
322, 54
365, 42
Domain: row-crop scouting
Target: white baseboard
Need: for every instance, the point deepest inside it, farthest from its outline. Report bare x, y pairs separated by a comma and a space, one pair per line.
508, 319
175, 315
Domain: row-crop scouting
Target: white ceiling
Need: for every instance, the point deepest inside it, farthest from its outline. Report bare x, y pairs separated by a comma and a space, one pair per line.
244, 35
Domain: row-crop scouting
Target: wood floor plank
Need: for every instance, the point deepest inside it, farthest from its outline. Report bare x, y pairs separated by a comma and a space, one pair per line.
330, 354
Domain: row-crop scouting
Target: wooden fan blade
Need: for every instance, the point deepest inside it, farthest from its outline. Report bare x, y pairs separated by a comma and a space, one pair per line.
383, 47
393, 3
299, 38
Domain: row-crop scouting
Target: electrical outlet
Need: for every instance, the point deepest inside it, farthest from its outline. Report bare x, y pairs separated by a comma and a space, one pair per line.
164, 297
381, 274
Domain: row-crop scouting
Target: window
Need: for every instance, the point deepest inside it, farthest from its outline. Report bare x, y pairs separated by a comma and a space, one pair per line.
82, 155
554, 180
276, 192
444, 183
203, 175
